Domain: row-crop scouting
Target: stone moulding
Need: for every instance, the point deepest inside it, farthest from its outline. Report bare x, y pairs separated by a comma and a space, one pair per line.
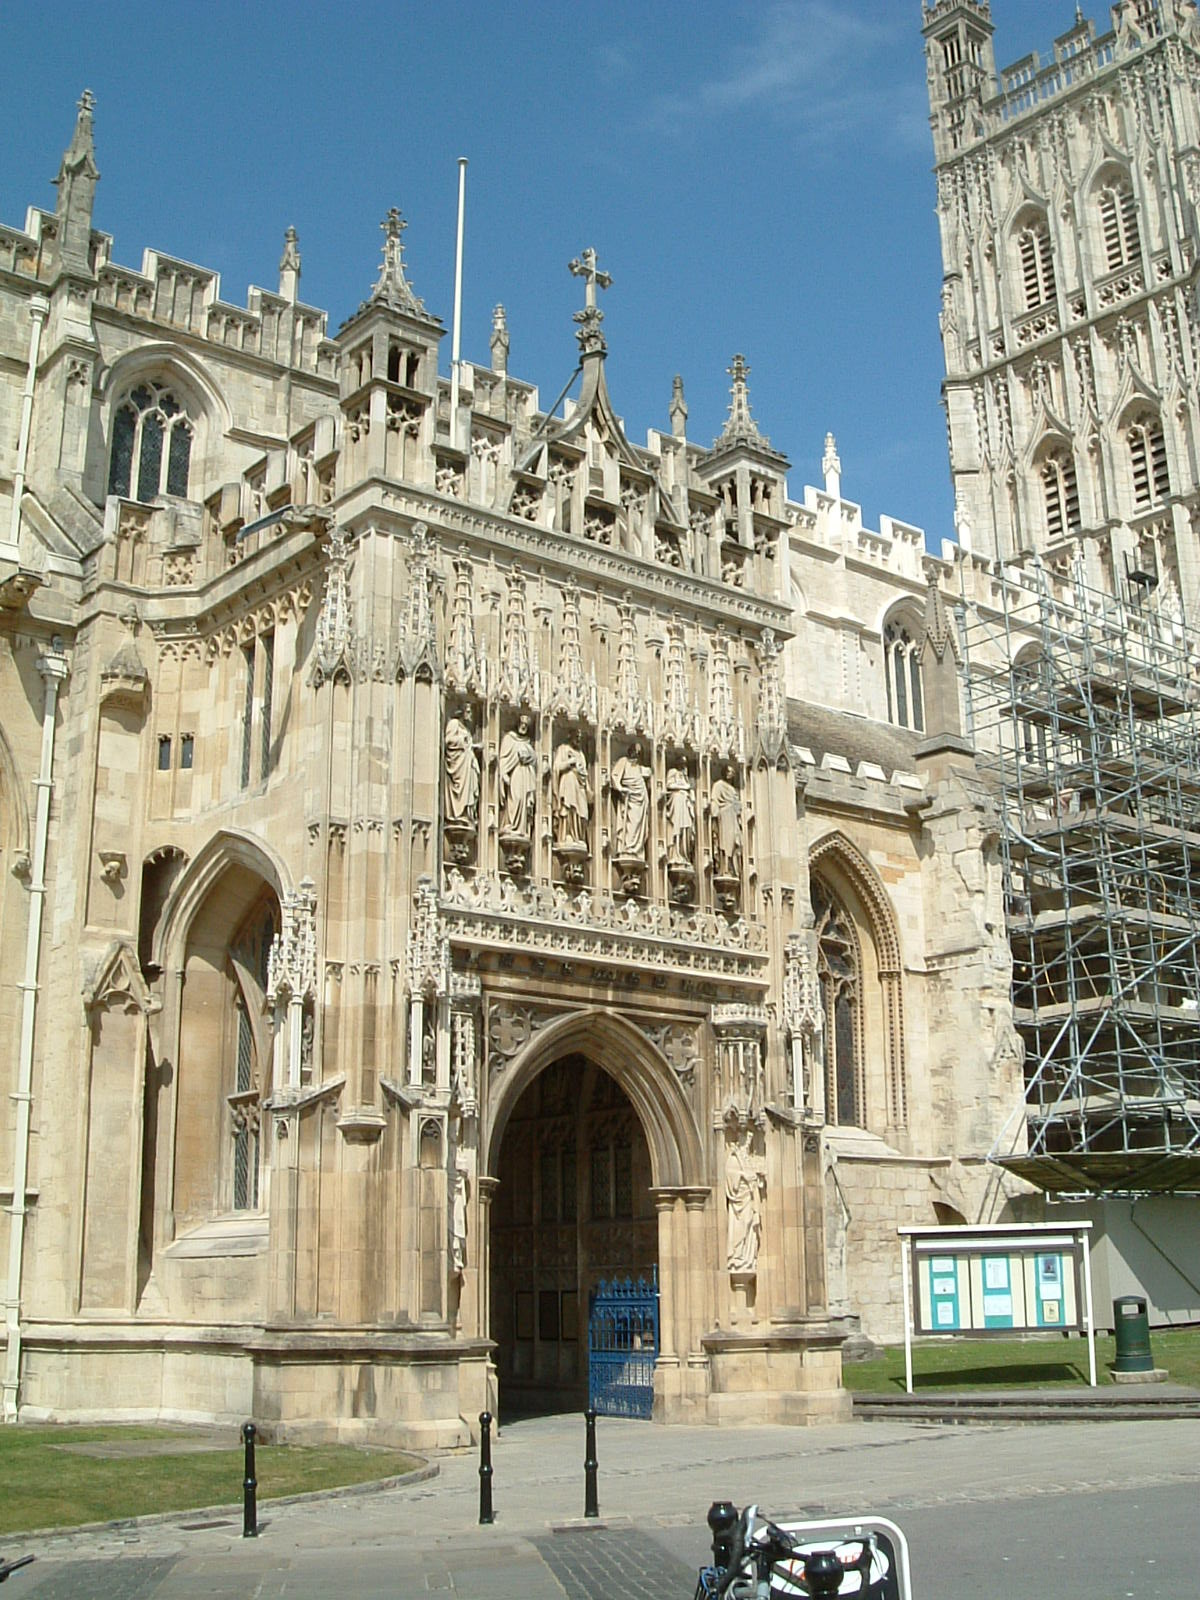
497, 913
564, 555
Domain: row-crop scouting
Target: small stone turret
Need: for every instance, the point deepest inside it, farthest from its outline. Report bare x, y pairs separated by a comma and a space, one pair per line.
940, 662
76, 185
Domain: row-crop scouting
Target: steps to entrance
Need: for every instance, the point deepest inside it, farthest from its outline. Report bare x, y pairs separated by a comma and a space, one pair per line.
1129, 1403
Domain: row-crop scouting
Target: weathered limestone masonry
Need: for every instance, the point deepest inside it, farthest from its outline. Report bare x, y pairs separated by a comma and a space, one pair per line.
479, 857
1068, 195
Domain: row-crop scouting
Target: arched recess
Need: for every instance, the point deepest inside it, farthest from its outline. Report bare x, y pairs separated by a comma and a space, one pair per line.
853, 881
676, 1152
224, 850
14, 813
216, 1051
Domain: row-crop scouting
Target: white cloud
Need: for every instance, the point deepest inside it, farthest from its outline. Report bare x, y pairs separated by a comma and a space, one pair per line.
814, 65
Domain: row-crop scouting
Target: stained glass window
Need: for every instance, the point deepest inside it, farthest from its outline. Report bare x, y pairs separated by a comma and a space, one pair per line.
151, 447
839, 969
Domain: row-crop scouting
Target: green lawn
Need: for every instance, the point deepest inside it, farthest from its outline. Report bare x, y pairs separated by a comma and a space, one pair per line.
1015, 1363
46, 1486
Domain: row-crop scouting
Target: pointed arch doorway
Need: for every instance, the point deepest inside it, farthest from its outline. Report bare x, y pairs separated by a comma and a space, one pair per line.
573, 1209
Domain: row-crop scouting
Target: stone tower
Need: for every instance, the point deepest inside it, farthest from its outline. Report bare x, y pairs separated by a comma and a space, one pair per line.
1067, 203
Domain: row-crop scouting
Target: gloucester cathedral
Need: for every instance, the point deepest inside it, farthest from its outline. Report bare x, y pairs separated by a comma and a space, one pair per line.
466, 873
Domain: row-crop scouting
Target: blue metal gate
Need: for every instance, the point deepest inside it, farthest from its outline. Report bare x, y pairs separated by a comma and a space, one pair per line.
623, 1346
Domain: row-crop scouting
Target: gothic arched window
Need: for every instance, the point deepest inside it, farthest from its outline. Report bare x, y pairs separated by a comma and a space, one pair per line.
151, 444
1060, 491
839, 972
1148, 462
1119, 224
1037, 263
249, 957
902, 670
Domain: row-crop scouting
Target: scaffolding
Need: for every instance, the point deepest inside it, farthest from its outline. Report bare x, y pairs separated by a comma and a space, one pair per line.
1083, 707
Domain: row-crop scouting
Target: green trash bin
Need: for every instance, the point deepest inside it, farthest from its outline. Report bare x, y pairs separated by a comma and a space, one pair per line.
1132, 1327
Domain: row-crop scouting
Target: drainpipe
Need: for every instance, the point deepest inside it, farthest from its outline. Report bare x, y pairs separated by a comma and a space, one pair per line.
39, 310
53, 667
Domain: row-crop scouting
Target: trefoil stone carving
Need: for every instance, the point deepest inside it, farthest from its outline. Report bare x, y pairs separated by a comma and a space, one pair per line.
466, 670
418, 641
518, 667
632, 711
575, 695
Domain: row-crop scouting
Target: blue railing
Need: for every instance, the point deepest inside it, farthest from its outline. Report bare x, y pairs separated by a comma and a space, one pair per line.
623, 1346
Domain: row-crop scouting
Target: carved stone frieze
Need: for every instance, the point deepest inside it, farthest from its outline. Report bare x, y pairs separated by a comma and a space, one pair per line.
548, 919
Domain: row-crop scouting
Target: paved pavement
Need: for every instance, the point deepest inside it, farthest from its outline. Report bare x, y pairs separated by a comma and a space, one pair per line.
973, 1498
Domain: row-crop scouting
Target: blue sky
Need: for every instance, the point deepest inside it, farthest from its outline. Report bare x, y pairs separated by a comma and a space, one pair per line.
755, 176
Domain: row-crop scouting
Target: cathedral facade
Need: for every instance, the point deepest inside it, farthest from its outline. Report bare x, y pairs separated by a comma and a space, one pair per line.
457, 860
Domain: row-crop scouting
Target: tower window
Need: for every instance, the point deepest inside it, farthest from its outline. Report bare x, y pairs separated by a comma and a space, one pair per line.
1148, 461
1037, 265
1118, 220
164, 752
151, 444
902, 670
1061, 492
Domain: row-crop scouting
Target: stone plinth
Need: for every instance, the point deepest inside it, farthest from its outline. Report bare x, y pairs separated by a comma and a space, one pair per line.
780, 1372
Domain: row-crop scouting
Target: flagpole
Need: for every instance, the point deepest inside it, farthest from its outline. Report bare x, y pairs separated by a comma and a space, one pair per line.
456, 343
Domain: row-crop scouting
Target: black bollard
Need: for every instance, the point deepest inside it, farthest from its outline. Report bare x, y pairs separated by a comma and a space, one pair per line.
485, 1467
249, 1486
722, 1520
591, 1500
823, 1574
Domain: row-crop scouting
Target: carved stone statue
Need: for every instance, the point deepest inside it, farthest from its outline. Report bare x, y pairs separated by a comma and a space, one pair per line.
745, 1185
518, 781
458, 1221
680, 818
572, 797
631, 804
462, 774
727, 826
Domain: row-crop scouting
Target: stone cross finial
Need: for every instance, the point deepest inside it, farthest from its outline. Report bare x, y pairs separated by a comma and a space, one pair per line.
591, 340
393, 287
87, 102
584, 266
740, 426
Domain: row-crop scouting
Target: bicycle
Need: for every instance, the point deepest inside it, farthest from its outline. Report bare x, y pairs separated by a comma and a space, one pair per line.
865, 1557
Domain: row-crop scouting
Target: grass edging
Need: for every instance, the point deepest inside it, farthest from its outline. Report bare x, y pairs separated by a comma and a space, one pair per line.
230, 1508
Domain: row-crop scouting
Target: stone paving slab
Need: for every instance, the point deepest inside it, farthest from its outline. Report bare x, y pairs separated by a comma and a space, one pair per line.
598, 1564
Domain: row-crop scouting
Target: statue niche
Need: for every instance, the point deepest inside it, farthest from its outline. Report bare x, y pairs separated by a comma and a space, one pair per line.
725, 817
517, 795
460, 788
572, 808
629, 785
679, 818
